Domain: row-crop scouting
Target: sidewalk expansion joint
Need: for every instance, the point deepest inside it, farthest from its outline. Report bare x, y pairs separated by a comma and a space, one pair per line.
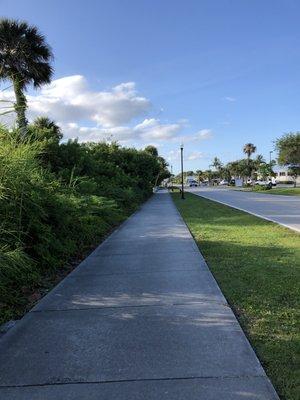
262, 376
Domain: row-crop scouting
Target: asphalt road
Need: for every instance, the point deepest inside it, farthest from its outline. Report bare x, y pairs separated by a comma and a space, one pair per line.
284, 210
142, 318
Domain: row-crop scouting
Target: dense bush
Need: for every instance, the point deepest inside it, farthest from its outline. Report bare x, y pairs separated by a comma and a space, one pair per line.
260, 188
56, 200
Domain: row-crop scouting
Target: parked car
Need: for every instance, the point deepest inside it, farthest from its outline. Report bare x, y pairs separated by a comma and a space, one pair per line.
268, 182
261, 182
193, 183
223, 182
274, 181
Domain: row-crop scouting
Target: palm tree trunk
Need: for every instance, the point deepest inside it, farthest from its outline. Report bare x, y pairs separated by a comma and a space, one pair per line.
20, 107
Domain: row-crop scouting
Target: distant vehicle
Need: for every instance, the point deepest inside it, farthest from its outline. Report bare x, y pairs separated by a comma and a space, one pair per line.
223, 182
249, 181
232, 182
190, 178
261, 182
193, 183
274, 181
268, 182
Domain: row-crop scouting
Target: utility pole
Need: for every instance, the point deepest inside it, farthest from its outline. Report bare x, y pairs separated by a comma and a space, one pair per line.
271, 156
182, 188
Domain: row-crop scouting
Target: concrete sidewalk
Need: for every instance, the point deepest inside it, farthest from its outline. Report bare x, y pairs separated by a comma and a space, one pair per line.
141, 318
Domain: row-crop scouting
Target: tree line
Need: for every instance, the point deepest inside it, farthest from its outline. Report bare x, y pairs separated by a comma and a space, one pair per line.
57, 199
287, 146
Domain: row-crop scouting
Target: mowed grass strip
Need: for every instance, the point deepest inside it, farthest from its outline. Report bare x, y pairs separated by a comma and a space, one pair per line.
285, 191
257, 265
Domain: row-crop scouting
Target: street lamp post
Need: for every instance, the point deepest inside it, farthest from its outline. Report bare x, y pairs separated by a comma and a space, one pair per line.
182, 189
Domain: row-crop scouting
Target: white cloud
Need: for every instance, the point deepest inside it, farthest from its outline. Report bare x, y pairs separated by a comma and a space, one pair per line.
96, 134
147, 131
154, 129
7, 114
69, 99
196, 155
231, 99
118, 113
203, 134
173, 155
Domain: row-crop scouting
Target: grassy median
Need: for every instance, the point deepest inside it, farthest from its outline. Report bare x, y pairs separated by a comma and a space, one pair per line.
291, 191
285, 191
257, 265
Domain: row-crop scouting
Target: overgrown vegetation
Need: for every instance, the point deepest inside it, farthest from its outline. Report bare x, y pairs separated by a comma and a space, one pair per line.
257, 265
58, 199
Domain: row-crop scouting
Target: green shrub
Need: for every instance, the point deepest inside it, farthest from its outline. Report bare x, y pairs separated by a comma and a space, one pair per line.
259, 188
57, 200
17, 272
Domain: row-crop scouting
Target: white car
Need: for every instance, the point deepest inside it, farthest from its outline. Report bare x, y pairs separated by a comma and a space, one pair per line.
261, 182
223, 182
193, 183
268, 182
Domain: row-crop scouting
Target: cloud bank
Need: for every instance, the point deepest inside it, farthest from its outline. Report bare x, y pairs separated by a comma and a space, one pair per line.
119, 113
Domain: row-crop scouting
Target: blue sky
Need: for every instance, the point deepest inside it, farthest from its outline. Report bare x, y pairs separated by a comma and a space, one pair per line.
215, 74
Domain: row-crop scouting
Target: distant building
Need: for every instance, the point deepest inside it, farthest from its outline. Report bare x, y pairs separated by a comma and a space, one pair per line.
283, 176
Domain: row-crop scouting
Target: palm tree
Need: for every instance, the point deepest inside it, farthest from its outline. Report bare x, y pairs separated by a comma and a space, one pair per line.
199, 174
45, 129
259, 159
217, 164
249, 149
24, 59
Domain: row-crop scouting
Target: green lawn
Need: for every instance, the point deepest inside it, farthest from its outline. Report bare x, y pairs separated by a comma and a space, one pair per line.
290, 191
285, 191
257, 265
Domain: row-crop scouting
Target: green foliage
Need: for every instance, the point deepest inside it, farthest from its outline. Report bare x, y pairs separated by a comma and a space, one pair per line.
217, 164
242, 168
249, 149
17, 271
286, 191
56, 200
260, 188
265, 170
24, 59
288, 147
151, 150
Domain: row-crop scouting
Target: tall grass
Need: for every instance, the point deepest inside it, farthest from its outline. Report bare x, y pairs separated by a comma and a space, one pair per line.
55, 202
